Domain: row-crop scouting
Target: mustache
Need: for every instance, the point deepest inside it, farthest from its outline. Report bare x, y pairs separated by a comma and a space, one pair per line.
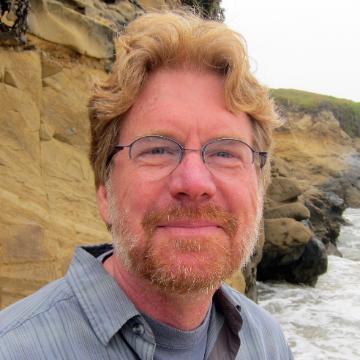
209, 212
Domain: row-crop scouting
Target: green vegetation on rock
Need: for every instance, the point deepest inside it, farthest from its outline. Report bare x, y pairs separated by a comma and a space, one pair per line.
346, 111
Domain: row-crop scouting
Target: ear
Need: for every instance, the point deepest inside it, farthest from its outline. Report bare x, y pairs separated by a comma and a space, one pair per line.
103, 202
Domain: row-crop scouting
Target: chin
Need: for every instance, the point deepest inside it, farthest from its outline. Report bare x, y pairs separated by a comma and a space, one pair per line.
190, 265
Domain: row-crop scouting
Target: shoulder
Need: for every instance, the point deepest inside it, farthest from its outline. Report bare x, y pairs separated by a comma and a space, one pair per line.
34, 307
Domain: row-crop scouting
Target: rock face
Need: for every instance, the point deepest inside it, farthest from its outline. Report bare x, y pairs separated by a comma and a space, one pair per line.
46, 184
314, 178
47, 193
87, 26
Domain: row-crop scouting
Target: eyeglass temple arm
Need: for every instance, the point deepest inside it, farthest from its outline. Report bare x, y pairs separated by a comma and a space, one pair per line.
262, 156
116, 149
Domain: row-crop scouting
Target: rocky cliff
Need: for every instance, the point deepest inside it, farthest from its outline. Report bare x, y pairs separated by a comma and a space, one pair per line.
315, 177
46, 183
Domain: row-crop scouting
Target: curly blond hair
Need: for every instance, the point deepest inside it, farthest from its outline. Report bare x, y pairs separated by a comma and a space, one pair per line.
173, 38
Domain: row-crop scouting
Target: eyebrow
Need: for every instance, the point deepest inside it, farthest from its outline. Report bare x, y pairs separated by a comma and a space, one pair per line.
159, 132
172, 137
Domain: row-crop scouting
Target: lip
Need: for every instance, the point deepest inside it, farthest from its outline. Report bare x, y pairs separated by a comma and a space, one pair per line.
189, 224
190, 228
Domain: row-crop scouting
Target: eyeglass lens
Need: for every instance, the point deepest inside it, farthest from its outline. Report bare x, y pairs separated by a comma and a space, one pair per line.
222, 154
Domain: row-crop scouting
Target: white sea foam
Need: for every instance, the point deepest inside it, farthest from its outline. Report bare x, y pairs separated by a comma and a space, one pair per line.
323, 323
349, 244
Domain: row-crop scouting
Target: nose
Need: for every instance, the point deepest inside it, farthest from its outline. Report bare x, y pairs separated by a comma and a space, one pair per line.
191, 181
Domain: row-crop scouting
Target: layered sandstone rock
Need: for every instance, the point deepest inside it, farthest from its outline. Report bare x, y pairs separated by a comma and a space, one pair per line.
87, 26
47, 193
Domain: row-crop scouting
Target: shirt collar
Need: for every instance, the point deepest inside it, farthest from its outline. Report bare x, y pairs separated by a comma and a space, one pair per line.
104, 303
229, 308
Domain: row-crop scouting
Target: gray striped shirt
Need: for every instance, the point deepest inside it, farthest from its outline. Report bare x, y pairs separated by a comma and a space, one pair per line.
86, 315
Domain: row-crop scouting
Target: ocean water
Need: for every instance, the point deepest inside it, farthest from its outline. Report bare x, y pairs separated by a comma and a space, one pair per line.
323, 323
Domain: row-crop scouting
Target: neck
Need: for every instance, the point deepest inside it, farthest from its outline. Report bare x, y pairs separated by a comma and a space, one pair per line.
182, 311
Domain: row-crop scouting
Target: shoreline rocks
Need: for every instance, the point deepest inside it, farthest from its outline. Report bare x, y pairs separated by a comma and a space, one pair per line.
324, 185
291, 251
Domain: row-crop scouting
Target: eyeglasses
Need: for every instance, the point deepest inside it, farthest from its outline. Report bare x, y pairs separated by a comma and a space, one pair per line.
160, 152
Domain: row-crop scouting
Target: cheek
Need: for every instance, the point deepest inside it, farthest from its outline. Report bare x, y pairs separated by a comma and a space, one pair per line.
135, 195
251, 191
242, 194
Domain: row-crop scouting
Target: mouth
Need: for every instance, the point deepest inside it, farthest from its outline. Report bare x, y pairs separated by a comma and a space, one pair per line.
190, 228
189, 223
207, 220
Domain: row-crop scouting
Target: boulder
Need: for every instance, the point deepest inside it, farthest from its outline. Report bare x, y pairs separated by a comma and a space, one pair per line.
294, 210
291, 253
305, 270
285, 241
285, 234
283, 189
312, 263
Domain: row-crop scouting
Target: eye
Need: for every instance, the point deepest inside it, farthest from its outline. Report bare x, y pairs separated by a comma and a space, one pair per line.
227, 153
155, 152
158, 150
222, 154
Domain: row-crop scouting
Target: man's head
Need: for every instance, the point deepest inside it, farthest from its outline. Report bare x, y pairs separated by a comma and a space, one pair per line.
183, 219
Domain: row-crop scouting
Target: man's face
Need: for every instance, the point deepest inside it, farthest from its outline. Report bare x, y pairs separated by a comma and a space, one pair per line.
191, 228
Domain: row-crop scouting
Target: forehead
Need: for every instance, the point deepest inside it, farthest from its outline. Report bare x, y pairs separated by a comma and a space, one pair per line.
184, 103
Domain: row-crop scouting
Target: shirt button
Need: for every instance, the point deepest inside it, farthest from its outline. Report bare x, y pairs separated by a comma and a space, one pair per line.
138, 329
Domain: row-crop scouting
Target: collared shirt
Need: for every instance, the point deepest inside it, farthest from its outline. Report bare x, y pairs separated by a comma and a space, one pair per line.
86, 315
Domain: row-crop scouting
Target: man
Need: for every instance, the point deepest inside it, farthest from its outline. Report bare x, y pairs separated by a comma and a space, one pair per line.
180, 132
